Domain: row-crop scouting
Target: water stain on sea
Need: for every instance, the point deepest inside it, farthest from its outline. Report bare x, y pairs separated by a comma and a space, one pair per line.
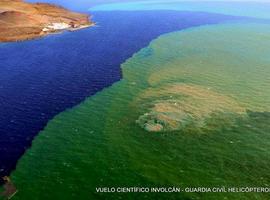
100, 143
41, 78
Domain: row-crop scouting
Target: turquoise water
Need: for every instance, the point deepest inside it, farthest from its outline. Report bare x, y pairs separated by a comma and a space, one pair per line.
248, 9
217, 74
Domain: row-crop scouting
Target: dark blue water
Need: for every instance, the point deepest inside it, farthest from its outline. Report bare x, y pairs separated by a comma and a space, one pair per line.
41, 78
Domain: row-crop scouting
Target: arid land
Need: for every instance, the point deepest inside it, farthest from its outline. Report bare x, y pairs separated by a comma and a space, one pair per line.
24, 21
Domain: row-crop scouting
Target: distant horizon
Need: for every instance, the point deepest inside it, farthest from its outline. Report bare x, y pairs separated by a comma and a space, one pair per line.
85, 5
243, 8
82, 3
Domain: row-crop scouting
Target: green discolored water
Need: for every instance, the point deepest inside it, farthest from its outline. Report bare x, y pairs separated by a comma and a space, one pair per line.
192, 110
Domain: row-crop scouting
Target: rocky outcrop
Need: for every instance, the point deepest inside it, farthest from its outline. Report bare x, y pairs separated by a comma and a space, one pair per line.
22, 21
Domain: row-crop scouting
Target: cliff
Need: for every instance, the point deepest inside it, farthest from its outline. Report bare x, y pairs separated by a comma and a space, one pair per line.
23, 21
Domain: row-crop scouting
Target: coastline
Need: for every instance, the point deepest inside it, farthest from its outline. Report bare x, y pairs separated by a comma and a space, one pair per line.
21, 20
44, 34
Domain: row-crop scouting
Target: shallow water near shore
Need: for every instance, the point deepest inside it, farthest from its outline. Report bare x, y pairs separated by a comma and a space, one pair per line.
100, 143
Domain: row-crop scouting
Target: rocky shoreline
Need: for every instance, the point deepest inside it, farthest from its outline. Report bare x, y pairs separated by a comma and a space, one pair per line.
25, 21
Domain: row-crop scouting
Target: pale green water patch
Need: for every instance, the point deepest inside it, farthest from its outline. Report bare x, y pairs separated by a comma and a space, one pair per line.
220, 135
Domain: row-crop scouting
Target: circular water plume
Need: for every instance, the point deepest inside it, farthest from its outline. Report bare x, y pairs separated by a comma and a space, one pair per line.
175, 106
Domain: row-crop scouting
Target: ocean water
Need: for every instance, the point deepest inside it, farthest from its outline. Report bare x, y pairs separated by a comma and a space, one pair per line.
236, 8
41, 78
78, 5
218, 74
